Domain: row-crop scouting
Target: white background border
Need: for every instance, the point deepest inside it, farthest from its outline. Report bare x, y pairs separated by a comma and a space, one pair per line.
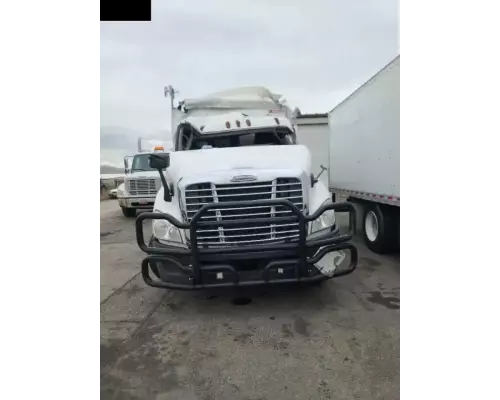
49, 125
449, 181
49, 92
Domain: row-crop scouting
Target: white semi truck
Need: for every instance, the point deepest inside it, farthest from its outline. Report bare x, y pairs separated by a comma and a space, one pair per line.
239, 203
364, 156
141, 183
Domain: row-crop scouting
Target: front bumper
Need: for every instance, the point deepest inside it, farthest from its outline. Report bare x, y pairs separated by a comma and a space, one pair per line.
195, 268
137, 202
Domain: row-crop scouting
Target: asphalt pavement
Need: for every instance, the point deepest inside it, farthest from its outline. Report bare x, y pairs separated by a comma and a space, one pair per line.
339, 341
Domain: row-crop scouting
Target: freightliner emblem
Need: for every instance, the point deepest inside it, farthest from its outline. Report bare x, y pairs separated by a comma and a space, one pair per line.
243, 178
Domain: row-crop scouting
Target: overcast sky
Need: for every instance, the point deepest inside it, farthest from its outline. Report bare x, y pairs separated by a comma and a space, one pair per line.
314, 52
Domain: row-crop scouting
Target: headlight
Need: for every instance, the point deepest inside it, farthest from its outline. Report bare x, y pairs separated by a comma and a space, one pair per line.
325, 221
164, 231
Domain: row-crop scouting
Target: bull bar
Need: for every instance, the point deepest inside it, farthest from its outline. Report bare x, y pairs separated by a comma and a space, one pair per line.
204, 268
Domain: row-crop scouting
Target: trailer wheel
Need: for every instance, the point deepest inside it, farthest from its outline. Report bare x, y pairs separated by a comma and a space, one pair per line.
129, 212
380, 228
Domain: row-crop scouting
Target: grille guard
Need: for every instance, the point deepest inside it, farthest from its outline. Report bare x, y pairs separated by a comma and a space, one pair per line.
299, 249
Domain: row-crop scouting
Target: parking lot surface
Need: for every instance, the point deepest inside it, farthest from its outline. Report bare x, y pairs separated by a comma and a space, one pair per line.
338, 341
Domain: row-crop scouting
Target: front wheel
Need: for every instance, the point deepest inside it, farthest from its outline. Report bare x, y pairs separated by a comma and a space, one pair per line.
380, 228
129, 212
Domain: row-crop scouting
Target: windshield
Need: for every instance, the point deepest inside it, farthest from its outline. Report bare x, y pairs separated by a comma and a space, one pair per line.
141, 163
192, 141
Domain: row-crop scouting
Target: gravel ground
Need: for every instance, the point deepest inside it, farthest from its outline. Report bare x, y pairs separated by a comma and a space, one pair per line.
338, 341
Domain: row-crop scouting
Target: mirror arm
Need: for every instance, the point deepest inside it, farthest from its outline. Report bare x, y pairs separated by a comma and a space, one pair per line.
167, 196
159, 166
315, 180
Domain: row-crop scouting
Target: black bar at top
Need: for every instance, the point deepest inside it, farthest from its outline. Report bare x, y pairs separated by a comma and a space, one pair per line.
125, 10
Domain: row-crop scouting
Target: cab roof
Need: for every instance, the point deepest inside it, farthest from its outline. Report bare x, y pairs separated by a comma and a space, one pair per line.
236, 121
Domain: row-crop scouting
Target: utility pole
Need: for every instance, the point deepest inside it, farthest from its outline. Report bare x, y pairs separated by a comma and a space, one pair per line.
170, 91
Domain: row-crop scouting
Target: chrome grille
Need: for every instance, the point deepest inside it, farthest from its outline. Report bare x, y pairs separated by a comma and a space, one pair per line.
246, 233
142, 187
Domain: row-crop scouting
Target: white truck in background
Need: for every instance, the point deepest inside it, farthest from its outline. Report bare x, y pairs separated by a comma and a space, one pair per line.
141, 183
239, 204
364, 156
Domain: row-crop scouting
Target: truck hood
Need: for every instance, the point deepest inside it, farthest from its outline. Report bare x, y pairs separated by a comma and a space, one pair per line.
228, 162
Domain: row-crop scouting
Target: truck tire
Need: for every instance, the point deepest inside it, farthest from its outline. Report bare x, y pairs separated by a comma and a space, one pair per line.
129, 212
381, 228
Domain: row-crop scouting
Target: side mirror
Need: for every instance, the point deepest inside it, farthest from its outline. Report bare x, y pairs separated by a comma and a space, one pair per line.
161, 161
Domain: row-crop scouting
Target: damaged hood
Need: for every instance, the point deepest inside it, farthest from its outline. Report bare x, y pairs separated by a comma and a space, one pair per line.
229, 162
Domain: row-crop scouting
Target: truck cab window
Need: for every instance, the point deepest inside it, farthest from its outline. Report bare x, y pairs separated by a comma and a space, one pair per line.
141, 163
188, 139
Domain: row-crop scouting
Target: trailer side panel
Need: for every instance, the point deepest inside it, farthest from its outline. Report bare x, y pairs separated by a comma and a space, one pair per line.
364, 140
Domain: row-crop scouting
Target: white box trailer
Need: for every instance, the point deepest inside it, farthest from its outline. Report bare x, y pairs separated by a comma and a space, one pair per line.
364, 156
